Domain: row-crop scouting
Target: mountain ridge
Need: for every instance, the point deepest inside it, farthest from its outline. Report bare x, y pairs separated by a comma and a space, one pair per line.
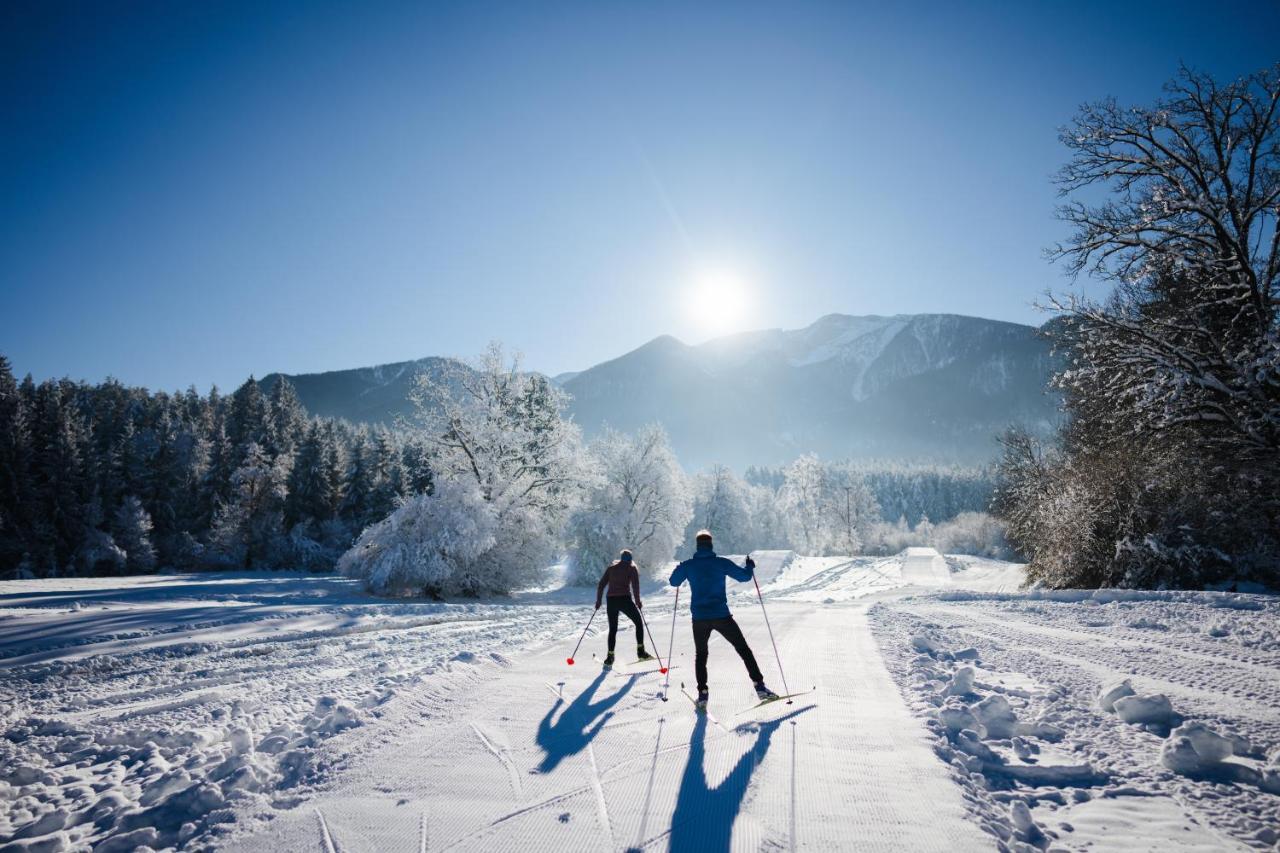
919, 386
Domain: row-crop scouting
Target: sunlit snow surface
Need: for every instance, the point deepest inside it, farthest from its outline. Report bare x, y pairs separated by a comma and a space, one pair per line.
294, 710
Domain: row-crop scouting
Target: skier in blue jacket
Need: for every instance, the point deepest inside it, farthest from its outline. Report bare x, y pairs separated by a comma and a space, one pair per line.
705, 573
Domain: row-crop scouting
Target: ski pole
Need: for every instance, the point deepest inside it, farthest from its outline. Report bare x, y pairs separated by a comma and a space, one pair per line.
584, 635
656, 650
666, 686
760, 595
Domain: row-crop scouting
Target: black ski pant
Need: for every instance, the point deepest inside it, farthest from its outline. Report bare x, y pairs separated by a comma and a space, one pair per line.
623, 604
728, 629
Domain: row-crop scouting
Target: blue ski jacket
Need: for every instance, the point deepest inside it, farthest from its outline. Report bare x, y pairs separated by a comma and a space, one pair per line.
705, 573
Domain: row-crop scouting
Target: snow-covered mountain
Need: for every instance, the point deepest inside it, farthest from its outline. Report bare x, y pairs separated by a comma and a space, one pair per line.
917, 386
936, 386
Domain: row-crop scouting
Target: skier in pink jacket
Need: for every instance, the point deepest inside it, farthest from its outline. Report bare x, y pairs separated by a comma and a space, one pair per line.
622, 580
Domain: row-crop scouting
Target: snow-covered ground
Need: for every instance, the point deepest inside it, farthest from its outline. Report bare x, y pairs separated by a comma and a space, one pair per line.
146, 710
259, 711
1113, 720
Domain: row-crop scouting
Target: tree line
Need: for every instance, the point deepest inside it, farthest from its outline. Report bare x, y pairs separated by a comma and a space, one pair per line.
107, 479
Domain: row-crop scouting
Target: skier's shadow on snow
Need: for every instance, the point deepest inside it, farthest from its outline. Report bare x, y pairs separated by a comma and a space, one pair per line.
578, 723
704, 816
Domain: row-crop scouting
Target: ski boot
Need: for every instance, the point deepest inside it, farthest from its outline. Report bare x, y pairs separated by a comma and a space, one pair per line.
764, 694
608, 660
641, 654
701, 702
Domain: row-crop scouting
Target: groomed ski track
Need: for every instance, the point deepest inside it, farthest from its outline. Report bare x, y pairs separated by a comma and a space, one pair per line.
544, 756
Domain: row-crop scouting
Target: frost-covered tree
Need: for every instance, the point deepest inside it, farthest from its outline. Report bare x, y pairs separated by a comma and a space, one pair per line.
768, 523
358, 483
249, 529
1167, 472
385, 475
415, 465
248, 416
315, 481
851, 508
923, 533
804, 496
286, 418
1189, 235
638, 498
722, 504
506, 466
133, 535
58, 477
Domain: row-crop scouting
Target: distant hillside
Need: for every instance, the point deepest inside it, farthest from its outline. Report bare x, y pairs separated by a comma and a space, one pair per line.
925, 386
362, 395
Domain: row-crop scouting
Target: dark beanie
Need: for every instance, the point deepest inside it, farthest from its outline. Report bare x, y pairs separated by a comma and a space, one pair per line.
625, 556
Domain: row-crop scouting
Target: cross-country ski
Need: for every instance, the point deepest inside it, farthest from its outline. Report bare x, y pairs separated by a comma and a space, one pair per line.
785, 698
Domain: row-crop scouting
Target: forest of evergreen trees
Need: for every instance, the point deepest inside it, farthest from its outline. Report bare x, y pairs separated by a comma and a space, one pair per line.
103, 479
107, 479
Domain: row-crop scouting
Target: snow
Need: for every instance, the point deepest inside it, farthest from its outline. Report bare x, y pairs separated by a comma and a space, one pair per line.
148, 710
1099, 719
925, 567
286, 711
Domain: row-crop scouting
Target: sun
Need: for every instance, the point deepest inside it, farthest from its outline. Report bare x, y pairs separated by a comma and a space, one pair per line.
718, 301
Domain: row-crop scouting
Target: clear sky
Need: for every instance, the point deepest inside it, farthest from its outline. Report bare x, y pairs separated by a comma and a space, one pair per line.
191, 192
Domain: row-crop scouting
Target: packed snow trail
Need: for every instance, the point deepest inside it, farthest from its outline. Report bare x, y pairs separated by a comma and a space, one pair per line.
543, 756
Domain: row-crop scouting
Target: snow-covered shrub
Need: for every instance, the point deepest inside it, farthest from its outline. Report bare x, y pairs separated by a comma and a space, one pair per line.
99, 554
506, 473
978, 534
311, 549
637, 498
432, 544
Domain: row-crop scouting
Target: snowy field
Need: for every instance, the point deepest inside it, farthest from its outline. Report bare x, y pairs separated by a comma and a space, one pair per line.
294, 712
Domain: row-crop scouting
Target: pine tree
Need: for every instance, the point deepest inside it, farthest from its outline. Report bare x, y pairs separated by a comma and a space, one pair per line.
358, 486
384, 475
248, 530
215, 487
15, 470
58, 478
287, 418
133, 535
416, 467
247, 417
313, 484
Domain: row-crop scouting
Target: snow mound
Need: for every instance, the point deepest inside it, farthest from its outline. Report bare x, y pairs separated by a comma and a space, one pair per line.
925, 567
770, 565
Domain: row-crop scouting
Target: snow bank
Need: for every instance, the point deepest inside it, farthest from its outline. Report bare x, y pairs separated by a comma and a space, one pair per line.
836, 579
1080, 699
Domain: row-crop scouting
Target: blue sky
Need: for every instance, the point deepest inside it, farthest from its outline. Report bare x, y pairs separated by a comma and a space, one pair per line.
190, 193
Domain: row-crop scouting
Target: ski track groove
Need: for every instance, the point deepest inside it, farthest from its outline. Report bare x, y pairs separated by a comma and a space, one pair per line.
503, 756
327, 844
1189, 674
602, 808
